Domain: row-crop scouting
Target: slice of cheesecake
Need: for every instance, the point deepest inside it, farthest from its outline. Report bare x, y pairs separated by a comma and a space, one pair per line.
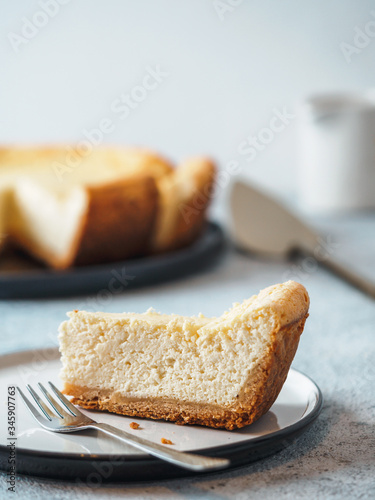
219, 372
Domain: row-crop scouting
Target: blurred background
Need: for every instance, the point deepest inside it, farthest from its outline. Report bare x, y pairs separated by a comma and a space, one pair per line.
226, 79
223, 70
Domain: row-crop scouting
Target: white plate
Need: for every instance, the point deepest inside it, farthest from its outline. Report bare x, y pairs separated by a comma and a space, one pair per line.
41, 452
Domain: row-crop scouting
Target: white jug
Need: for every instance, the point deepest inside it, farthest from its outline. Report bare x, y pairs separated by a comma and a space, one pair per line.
337, 152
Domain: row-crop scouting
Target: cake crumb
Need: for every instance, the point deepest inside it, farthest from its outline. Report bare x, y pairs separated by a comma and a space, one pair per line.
166, 441
134, 425
151, 310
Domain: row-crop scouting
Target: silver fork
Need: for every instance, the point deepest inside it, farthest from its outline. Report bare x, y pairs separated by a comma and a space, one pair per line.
67, 418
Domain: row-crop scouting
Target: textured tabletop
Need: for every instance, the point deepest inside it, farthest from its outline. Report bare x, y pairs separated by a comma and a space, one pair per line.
336, 457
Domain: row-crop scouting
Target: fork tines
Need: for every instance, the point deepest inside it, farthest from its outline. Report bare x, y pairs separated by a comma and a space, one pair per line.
63, 410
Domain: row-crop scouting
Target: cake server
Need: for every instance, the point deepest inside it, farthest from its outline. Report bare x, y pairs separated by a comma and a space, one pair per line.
264, 226
65, 417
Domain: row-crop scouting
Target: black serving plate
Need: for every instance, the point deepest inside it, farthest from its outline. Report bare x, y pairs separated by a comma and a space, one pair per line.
30, 281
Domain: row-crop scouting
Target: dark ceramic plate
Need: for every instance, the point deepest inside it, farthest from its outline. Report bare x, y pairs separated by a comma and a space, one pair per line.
20, 278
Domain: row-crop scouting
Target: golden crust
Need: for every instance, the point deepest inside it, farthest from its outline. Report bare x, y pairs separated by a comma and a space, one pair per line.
78, 161
290, 303
130, 205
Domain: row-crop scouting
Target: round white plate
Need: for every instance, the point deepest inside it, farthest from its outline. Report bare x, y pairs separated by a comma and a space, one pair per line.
92, 456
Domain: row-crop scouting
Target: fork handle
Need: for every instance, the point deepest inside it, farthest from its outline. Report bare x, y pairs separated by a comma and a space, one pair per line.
180, 458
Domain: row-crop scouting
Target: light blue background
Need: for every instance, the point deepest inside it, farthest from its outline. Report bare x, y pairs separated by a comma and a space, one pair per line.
225, 78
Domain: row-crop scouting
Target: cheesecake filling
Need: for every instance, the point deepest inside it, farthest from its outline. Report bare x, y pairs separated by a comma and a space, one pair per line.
152, 355
47, 218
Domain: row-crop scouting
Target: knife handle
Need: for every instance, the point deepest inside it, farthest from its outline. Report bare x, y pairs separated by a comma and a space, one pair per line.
344, 272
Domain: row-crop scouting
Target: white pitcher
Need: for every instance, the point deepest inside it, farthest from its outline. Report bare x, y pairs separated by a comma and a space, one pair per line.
337, 152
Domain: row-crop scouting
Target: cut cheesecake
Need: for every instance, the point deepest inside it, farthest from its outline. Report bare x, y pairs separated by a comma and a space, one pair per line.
83, 224
114, 203
183, 200
221, 372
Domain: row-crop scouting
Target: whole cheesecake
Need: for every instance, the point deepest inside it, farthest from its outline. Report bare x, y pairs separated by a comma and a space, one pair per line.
221, 372
113, 204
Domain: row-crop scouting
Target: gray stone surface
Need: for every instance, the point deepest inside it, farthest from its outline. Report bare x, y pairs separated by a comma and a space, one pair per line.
335, 458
